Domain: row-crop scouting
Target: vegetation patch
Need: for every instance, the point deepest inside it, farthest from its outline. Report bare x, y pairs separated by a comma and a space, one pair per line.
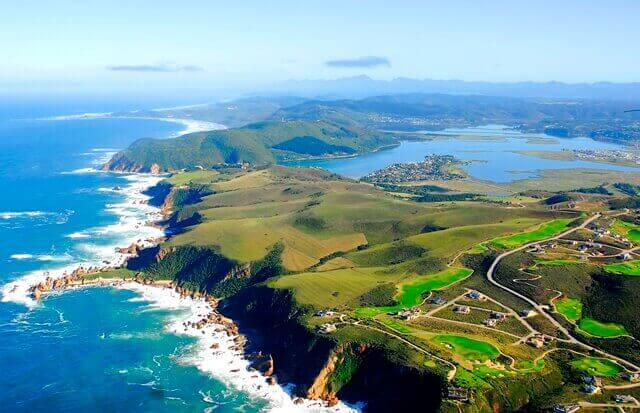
624, 268
468, 348
597, 366
411, 292
571, 308
627, 229
380, 296
545, 230
333, 288
555, 263
600, 329
387, 254
309, 145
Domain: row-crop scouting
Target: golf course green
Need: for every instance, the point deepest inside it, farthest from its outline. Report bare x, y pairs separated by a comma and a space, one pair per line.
545, 230
411, 292
600, 329
571, 308
597, 366
468, 348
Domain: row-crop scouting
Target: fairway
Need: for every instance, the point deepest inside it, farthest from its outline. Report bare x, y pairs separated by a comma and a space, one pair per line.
411, 292
598, 366
627, 229
599, 329
624, 268
545, 230
468, 348
571, 308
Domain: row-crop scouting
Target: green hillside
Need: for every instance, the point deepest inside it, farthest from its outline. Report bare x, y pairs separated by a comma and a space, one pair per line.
258, 143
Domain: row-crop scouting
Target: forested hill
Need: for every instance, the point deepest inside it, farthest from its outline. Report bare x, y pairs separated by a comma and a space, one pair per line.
258, 143
607, 120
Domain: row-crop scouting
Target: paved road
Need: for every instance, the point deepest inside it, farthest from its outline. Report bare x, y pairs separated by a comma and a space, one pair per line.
542, 308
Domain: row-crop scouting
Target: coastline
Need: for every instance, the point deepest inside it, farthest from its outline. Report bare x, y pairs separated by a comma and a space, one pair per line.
191, 125
219, 349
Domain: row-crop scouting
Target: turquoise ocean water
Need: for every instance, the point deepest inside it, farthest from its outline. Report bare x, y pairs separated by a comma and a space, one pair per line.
95, 349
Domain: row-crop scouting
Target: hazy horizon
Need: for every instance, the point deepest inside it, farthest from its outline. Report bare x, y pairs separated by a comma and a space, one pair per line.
153, 48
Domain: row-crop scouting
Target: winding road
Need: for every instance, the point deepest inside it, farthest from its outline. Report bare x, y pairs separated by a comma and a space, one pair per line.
542, 308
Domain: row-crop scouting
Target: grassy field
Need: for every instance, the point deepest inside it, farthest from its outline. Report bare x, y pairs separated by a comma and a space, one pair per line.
597, 366
411, 292
545, 230
468, 348
333, 288
467, 237
194, 177
571, 308
119, 274
624, 268
568, 179
600, 329
627, 229
557, 262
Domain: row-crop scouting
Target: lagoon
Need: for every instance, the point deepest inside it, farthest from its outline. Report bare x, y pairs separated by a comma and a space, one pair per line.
491, 150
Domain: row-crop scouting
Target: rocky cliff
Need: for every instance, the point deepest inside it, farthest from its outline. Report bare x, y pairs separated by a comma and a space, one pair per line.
322, 367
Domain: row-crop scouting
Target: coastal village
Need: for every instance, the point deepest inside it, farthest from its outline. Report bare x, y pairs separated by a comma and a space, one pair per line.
606, 155
433, 167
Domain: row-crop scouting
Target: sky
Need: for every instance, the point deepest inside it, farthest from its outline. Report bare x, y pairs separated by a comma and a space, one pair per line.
189, 46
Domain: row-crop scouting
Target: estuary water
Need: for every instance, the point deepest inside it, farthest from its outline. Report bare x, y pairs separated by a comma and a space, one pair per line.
493, 150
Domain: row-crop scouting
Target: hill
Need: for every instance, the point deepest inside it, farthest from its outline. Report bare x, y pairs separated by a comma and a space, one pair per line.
258, 143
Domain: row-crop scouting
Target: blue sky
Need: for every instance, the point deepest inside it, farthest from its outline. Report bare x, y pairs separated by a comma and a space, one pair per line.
193, 45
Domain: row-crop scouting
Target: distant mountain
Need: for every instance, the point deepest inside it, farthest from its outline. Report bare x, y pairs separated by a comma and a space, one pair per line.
364, 86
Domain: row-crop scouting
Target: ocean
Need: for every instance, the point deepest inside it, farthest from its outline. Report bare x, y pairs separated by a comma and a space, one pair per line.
97, 348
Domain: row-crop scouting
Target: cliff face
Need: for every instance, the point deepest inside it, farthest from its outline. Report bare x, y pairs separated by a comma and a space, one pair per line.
120, 163
321, 367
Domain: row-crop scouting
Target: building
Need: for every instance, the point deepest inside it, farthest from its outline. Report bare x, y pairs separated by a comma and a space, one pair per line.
537, 340
592, 381
458, 393
571, 408
498, 316
624, 398
409, 314
527, 313
624, 256
490, 322
536, 249
475, 295
632, 377
462, 309
438, 300
325, 313
327, 328
591, 389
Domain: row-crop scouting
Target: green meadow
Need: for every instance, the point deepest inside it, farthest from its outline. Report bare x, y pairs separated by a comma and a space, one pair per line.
624, 268
597, 366
571, 308
600, 329
559, 262
627, 229
545, 230
468, 348
411, 292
